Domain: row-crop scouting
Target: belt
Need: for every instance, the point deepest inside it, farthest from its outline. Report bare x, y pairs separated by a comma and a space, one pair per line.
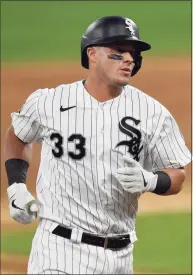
110, 242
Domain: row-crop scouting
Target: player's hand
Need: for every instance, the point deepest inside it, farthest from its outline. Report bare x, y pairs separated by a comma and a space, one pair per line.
23, 206
135, 179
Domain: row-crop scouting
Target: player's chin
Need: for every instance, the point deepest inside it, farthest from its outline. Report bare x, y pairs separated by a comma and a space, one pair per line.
122, 81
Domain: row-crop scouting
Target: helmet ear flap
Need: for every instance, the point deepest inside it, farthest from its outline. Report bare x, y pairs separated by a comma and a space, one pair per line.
84, 59
138, 62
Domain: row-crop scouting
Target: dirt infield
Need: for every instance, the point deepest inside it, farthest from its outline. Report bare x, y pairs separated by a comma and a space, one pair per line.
167, 80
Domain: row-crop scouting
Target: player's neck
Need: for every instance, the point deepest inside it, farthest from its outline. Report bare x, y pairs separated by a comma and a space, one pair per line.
100, 90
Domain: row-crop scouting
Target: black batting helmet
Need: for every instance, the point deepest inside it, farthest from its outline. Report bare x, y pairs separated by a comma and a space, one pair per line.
113, 29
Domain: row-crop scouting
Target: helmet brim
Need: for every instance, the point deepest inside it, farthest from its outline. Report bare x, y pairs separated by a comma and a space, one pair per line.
139, 45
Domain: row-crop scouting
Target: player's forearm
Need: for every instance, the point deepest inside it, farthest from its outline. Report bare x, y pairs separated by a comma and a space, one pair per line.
177, 177
14, 148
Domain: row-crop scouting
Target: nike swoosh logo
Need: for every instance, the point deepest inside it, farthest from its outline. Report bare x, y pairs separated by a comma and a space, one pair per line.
15, 206
145, 183
65, 109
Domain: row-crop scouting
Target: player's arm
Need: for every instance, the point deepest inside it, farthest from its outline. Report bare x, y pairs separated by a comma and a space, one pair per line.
176, 178
18, 155
14, 148
25, 130
169, 155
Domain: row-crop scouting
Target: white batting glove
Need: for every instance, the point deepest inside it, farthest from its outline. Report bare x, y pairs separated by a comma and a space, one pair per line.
23, 206
135, 179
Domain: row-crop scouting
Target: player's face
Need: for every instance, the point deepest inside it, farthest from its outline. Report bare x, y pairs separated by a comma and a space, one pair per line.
115, 71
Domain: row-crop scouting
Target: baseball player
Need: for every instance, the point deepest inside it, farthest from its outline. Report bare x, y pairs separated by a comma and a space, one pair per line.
104, 143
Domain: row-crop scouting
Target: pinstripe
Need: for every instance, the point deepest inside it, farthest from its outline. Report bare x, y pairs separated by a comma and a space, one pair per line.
68, 157
57, 160
57, 253
65, 252
102, 272
24, 115
34, 254
126, 138
153, 161
49, 250
156, 126
113, 269
53, 107
37, 109
87, 266
63, 164
72, 257
174, 135
140, 118
118, 161
103, 161
38, 179
125, 265
77, 169
160, 158
110, 151
108, 260
169, 142
129, 263
32, 123
25, 107
42, 268
130, 196
35, 135
147, 115
80, 261
111, 134
55, 187
45, 112
97, 256
87, 198
97, 180
51, 169
93, 180
76, 164
25, 123
116, 261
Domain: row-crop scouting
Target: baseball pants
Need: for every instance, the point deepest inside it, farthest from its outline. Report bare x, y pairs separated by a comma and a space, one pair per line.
52, 254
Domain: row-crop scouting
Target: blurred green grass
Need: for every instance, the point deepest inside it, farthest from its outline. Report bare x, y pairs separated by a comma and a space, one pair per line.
43, 30
164, 243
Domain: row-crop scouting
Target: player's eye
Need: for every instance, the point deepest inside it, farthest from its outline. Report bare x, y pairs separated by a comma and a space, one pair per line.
119, 50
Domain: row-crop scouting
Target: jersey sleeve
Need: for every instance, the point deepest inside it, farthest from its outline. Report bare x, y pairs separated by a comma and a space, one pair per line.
169, 149
26, 121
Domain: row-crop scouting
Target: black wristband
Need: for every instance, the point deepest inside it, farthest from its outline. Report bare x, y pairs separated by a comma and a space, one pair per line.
163, 183
16, 170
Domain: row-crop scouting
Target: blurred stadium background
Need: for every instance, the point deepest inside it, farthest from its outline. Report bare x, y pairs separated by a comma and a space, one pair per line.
40, 47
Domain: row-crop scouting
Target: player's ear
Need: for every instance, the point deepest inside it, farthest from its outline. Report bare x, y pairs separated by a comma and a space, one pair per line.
92, 54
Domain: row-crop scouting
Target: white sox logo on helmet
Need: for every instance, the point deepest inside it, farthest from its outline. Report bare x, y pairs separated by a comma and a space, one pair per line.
129, 26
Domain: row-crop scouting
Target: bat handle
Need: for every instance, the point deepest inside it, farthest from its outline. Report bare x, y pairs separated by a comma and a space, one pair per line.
33, 206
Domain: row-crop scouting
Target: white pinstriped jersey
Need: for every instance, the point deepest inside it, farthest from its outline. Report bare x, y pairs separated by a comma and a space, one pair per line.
83, 142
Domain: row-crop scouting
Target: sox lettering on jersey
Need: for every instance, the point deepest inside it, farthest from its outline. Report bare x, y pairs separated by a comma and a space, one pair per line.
134, 143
